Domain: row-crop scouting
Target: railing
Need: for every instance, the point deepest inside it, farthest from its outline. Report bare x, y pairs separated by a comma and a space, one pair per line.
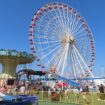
70, 97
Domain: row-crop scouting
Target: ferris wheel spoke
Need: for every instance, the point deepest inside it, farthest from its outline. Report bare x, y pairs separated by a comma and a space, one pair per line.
80, 42
78, 30
83, 60
47, 25
57, 33
41, 19
69, 23
50, 52
55, 22
81, 49
82, 46
47, 30
47, 42
43, 37
76, 26
68, 20
54, 38
44, 16
61, 18
80, 35
71, 18
64, 18
49, 22
58, 55
53, 14
73, 23
81, 38
53, 58
73, 65
58, 17
52, 31
53, 28
46, 48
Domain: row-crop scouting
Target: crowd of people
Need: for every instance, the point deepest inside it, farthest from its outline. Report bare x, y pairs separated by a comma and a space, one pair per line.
55, 92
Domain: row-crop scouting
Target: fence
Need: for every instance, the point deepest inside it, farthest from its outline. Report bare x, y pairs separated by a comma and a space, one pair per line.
70, 97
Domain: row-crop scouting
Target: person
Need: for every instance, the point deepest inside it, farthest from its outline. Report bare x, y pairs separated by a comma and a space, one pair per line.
53, 69
3, 89
22, 89
101, 89
54, 96
45, 89
87, 89
85, 94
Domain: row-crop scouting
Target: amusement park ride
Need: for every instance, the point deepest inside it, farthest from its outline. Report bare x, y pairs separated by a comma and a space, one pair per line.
59, 36
10, 59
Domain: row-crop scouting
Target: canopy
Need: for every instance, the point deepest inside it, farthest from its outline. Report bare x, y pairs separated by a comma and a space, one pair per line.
62, 84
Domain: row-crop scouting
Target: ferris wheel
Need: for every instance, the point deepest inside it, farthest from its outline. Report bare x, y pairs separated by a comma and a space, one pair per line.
59, 36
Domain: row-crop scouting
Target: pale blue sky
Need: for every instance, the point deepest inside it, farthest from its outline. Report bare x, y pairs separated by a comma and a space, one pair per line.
16, 15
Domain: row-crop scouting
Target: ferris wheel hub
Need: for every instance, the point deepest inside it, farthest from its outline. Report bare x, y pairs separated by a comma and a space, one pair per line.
71, 39
67, 38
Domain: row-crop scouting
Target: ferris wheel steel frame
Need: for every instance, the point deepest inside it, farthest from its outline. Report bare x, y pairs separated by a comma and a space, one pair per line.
60, 36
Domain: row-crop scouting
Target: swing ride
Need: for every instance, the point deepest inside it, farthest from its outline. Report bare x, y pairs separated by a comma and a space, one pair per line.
10, 59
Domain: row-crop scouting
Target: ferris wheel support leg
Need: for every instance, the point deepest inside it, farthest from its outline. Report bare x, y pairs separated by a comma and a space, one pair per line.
74, 67
79, 62
65, 58
83, 60
61, 59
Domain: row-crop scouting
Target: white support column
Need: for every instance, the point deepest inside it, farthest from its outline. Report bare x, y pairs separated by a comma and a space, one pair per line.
83, 61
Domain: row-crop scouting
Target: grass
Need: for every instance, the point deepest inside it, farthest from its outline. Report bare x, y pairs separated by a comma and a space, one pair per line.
54, 103
92, 99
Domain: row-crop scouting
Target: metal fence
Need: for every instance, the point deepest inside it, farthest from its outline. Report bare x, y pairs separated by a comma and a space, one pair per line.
70, 97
